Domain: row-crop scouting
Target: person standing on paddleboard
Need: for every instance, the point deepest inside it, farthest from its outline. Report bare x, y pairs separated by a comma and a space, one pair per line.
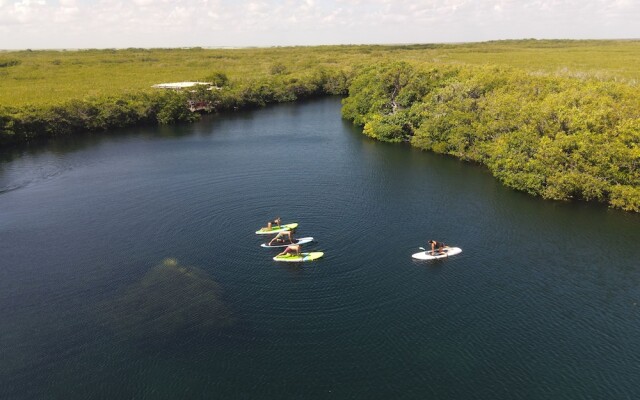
281, 237
436, 245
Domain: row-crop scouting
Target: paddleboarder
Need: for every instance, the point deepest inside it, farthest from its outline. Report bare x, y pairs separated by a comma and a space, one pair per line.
281, 237
275, 222
436, 245
291, 249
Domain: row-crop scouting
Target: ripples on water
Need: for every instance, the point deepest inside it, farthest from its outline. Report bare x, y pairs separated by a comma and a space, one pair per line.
542, 303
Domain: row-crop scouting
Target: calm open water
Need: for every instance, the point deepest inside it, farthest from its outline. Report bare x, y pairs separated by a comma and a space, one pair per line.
544, 301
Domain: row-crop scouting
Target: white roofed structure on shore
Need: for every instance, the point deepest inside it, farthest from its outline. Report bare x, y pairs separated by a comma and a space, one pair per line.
182, 85
193, 104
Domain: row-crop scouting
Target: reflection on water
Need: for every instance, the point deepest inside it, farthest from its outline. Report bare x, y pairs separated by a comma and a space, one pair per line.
42, 159
169, 300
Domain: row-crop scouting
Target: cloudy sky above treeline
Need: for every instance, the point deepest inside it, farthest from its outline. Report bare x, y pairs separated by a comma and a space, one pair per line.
44, 24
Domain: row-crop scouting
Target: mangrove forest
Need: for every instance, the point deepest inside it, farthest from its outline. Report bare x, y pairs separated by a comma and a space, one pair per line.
555, 119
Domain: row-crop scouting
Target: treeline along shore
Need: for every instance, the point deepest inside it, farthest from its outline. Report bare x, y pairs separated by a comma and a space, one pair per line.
556, 119
102, 113
559, 138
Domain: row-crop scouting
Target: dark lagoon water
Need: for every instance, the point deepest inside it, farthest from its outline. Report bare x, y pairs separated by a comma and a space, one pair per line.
129, 269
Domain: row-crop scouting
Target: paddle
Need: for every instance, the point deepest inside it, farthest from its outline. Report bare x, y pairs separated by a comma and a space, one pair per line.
427, 251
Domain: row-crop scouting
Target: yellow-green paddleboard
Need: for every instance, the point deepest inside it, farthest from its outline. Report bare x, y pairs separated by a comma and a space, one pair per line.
303, 257
277, 229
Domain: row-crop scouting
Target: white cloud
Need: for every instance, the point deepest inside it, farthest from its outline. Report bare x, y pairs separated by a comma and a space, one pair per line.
165, 23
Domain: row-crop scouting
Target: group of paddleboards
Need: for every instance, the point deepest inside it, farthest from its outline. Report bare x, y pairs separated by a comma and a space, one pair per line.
292, 246
284, 239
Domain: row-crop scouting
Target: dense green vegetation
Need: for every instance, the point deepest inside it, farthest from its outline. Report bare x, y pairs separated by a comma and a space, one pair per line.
99, 113
53, 93
558, 119
556, 137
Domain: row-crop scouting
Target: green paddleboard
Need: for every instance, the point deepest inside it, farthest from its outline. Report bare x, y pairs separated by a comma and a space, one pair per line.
303, 257
277, 229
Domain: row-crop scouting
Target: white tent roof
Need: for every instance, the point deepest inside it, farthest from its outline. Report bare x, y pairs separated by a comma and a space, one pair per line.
180, 85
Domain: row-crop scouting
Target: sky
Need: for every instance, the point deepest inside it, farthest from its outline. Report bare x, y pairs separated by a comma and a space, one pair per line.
73, 24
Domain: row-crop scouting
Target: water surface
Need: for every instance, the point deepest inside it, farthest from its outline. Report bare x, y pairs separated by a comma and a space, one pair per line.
542, 303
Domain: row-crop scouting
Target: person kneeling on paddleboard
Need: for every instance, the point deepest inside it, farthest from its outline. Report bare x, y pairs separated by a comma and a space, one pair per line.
275, 222
436, 245
291, 249
281, 237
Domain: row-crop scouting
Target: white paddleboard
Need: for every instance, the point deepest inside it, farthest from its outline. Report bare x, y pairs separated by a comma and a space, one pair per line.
297, 241
448, 251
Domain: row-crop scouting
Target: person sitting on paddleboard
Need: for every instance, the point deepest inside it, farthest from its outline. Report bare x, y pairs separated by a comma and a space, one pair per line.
275, 222
281, 237
291, 249
436, 245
